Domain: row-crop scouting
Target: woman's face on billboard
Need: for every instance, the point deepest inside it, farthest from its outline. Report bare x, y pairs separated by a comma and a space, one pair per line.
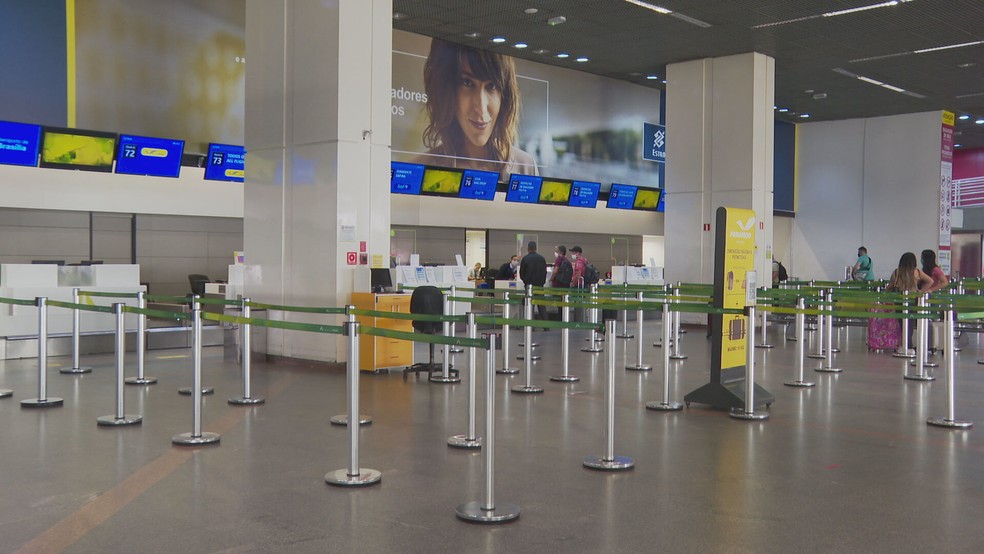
478, 109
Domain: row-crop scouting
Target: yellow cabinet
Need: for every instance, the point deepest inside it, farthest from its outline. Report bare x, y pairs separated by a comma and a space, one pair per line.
383, 352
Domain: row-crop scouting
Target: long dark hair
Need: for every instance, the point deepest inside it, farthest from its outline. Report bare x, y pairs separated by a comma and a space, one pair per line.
928, 261
904, 278
442, 75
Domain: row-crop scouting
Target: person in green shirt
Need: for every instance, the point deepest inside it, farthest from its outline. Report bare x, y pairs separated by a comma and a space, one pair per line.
862, 270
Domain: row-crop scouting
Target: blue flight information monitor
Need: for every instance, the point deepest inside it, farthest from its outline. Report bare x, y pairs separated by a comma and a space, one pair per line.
19, 143
661, 207
621, 197
149, 156
584, 194
479, 185
524, 188
406, 178
226, 162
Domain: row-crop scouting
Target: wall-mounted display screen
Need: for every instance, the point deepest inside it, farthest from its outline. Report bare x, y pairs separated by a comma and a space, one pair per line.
158, 157
441, 181
584, 194
77, 149
524, 188
406, 178
555, 191
479, 185
647, 199
661, 207
225, 162
621, 197
19, 143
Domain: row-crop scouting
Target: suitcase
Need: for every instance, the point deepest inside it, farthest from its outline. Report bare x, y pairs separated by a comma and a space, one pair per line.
883, 334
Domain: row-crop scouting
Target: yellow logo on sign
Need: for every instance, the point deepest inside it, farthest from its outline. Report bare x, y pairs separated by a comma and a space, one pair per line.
947, 118
153, 152
235, 173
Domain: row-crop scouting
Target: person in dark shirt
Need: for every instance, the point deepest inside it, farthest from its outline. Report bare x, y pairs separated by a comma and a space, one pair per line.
533, 271
507, 271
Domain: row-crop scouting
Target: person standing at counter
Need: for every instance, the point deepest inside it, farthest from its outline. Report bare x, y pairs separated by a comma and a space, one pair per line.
562, 269
578, 280
533, 271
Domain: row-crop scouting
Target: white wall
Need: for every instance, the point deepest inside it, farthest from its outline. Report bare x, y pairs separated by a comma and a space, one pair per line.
871, 182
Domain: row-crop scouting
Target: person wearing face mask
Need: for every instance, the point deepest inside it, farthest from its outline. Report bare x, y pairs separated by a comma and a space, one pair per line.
473, 104
507, 271
580, 267
562, 268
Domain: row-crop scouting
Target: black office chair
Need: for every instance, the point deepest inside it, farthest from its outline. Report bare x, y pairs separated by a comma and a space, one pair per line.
427, 300
198, 281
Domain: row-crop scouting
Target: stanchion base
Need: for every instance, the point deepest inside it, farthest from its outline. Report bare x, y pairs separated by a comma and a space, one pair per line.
624, 336
343, 420
247, 401
187, 439
474, 512
765, 346
791, 339
462, 441
660, 344
639, 367
507, 370
75, 370
113, 421
4, 393
898, 354
739, 413
41, 403
565, 378
593, 349
925, 364
615, 464
664, 406
533, 358
187, 391
600, 338
140, 380
341, 478
817, 356
456, 350
951, 423
678, 356
917, 377
438, 378
825, 369
532, 345
801, 384
532, 389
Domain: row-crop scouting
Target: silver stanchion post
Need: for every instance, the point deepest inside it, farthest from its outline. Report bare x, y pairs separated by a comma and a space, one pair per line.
506, 369
488, 510
748, 412
197, 321
76, 368
922, 330
565, 335
354, 475
454, 349
469, 440
42, 401
609, 461
196, 437
246, 343
818, 335
676, 355
445, 375
594, 319
667, 291
903, 350
827, 366
665, 405
800, 346
956, 343
528, 338
950, 419
625, 334
639, 366
120, 417
141, 379
798, 331
764, 343
528, 387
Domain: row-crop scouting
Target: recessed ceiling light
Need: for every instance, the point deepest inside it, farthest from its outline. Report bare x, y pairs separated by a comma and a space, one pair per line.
582, 59
966, 65
473, 34
832, 14
648, 6
808, 91
520, 45
563, 55
804, 115
957, 145
664, 81
783, 110
498, 40
541, 51
964, 117
399, 16
652, 77
530, 11
980, 122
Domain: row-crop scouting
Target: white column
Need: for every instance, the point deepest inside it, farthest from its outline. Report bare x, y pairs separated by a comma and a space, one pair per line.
317, 167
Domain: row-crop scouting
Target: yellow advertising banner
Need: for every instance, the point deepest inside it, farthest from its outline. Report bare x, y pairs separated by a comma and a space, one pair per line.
739, 260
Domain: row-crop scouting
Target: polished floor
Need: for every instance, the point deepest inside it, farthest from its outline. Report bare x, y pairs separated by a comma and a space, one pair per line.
847, 466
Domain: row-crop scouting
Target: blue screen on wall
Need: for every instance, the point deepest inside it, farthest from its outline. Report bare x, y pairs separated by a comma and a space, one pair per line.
584, 194
406, 178
225, 162
524, 188
479, 185
19, 143
149, 156
621, 197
